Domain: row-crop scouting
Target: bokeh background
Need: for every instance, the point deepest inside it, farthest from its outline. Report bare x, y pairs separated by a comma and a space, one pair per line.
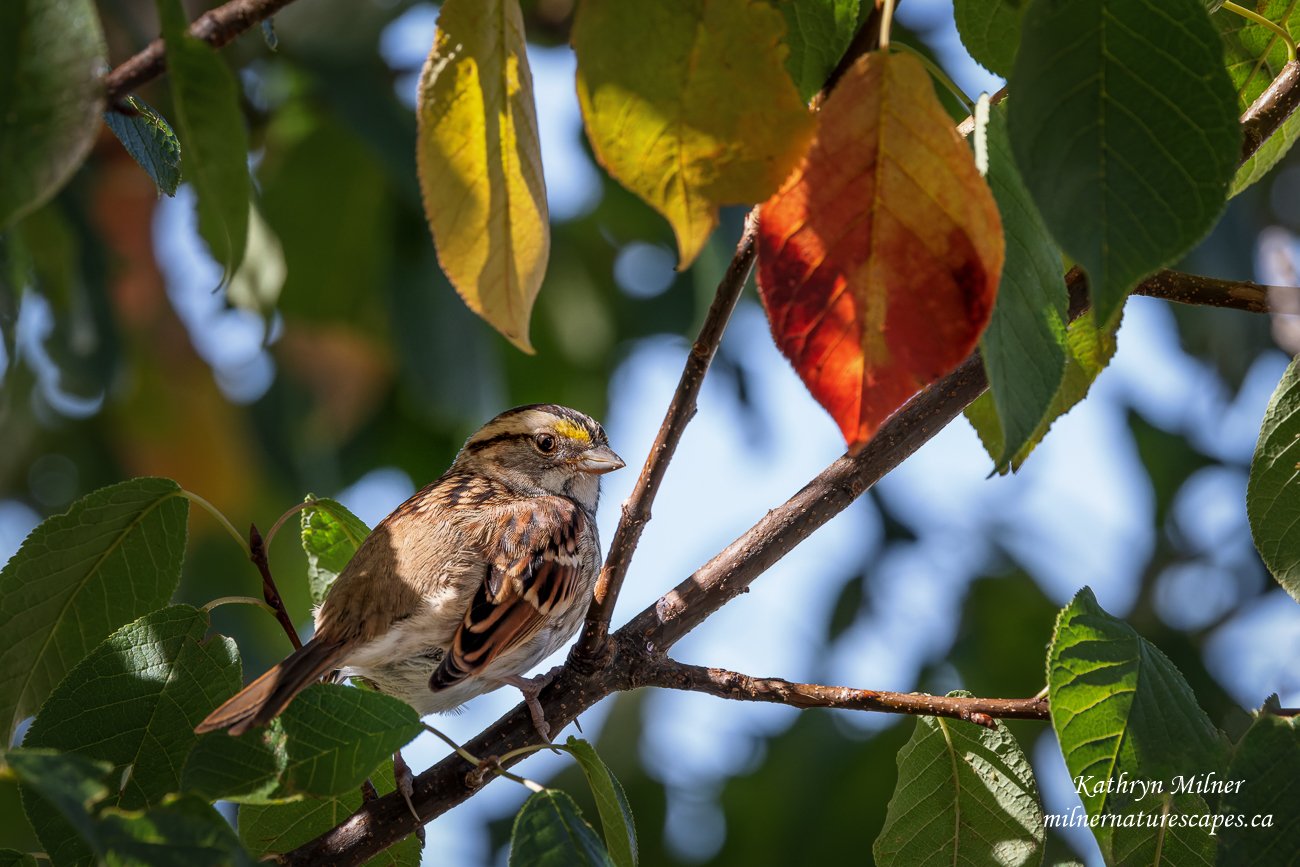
342, 363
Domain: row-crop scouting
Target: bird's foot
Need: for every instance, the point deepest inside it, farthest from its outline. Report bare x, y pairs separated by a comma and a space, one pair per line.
531, 687
405, 782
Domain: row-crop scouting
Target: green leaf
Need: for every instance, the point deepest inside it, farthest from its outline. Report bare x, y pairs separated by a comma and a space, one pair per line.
51, 56
965, 795
1273, 492
1124, 126
1265, 771
245, 769
14, 858
551, 832
185, 832
205, 96
115, 555
282, 827
149, 139
1254, 55
818, 33
1122, 711
330, 536
615, 812
1087, 354
135, 699
990, 30
1023, 347
71, 785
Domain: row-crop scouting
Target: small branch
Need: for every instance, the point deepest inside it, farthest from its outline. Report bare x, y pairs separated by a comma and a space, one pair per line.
636, 511
1210, 292
670, 674
257, 553
1267, 113
217, 27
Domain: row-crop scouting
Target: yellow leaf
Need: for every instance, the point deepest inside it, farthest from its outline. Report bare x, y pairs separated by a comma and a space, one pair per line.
688, 104
480, 163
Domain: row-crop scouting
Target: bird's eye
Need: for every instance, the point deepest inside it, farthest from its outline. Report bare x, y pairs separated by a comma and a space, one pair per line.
545, 443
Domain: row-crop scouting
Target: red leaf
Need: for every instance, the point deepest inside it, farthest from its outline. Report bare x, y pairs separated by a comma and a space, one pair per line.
879, 258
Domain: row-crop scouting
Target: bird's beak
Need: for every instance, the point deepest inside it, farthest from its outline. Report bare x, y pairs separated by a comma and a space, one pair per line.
598, 460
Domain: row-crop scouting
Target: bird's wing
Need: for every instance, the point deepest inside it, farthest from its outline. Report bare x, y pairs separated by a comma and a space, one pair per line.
534, 574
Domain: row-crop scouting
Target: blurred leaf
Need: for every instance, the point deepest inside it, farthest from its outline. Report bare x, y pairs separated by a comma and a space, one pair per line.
67, 783
11, 858
51, 57
1121, 710
615, 813
133, 702
330, 536
849, 604
1099, 115
992, 659
257, 283
1088, 353
1254, 56
205, 97
1273, 493
115, 555
1024, 345
1169, 460
965, 794
687, 104
551, 832
480, 163
879, 257
990, 30
281, 827
818, 32
326, 742
149, 139
185, 832
1266, 767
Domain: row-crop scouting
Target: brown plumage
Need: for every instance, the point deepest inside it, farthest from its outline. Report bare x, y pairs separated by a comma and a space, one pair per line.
469, 583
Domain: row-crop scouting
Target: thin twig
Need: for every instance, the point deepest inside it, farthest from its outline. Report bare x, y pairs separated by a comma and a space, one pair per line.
671, 674
382, 823
257, 553
217, 27
636, 510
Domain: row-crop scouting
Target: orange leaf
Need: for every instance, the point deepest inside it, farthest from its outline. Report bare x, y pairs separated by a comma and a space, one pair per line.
879, 258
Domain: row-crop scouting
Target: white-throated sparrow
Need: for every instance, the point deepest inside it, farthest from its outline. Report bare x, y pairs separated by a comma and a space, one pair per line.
469, 583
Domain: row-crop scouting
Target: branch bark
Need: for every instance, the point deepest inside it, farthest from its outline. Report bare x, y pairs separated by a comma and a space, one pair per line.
671, 674
217, 27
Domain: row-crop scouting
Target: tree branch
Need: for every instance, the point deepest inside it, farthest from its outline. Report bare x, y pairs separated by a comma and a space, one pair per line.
671, 674
257, 553
217, 27
379, 824
593, 643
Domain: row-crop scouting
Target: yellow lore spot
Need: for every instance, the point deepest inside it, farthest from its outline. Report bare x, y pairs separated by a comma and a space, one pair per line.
566, 428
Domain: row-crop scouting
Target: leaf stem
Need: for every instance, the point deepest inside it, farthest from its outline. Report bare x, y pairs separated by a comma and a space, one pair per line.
216, 513
939, 75
493, 763
236, 600
275, 528
1278, 30
886, 20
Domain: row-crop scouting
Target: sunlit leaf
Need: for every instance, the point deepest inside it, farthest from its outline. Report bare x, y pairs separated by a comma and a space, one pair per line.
1273, 493
1254, 56
115, 555
879, 258
330, 536
185, 832
551, 832
480, 163
965, 795
149, 139
1121, 710
687, 104
51, 57
615, 813
205, 98
1124, 126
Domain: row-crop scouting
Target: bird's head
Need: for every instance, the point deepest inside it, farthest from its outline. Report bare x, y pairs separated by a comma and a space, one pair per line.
543, 449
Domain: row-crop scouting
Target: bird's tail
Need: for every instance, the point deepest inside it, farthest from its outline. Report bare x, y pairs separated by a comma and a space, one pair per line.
263, 699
